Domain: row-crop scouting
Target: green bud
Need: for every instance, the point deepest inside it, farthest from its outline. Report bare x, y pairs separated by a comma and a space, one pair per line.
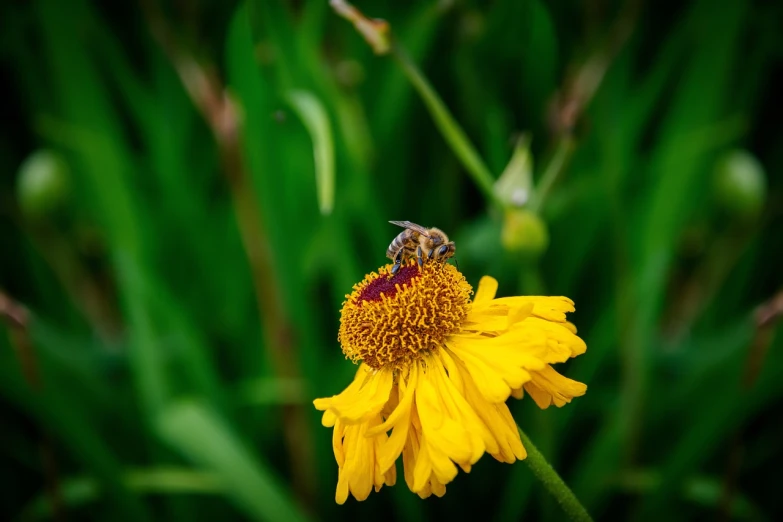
515, 185
42, 184
740, 184
524, 233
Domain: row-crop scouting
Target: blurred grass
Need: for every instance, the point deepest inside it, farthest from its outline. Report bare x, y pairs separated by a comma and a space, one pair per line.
169, 402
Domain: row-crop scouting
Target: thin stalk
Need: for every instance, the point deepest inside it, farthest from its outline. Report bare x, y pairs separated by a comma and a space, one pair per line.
17, 318
553, 483
565, 147
448, 126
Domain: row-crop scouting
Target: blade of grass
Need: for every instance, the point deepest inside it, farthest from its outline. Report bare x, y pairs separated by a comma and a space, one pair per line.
316, 121
197, 433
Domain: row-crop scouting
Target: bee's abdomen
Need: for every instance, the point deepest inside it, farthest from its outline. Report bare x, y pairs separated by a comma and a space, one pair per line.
394, 247
398, 243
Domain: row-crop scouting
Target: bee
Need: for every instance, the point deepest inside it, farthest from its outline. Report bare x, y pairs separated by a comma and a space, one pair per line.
419, 242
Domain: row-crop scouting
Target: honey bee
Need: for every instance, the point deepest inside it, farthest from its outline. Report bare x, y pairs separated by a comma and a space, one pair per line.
419, 242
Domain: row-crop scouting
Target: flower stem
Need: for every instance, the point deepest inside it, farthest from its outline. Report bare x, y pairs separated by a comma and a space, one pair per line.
564, 148
553, 483
448, 126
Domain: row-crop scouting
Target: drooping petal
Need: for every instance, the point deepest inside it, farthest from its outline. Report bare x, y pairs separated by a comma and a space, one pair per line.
382, 476
359, 471
506, 445
363, 399
337, 443
451, 433
461, 379
328, 419
506, 342
438, 428
549, 387
399, 419
458, 409
548, 341
410, 453
497, 371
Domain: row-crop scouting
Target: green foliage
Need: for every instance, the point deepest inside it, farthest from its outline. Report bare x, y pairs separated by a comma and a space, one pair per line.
231, 168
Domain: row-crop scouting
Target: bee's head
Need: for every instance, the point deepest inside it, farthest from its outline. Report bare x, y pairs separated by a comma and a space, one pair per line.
445, 251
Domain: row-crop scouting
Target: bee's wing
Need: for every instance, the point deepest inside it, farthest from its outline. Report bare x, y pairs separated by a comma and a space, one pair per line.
412, 226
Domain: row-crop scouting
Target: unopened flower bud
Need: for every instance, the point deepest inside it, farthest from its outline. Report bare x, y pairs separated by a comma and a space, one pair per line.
42, 184
524, 233
740, 184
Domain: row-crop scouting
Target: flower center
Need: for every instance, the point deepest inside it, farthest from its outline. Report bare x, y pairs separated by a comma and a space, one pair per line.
392, 320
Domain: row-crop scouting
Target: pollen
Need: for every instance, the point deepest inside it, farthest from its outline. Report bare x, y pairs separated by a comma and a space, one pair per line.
388, 321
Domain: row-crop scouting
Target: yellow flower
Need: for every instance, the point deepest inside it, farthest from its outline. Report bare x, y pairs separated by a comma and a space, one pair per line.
436, 369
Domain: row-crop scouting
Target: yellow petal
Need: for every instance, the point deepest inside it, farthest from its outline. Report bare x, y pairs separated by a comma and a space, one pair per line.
495, 371
548, 386
438, 428
422, 467
382, 476
328, 419
341, 493
560, 342
549, 308
495, 318
438, 489
337, 443
356, 455
442, 467
363, 399
410, 452
463, 382
459, 410
487, 288
407, 391
506, 445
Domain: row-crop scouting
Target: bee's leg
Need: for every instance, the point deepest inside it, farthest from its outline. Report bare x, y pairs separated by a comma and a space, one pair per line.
456, 263
418, 256
397, 262
432, 253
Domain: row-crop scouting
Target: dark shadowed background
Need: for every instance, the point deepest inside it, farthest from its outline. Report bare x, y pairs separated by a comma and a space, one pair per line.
189, 189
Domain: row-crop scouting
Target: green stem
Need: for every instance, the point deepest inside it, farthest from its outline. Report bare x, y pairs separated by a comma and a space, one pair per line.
553, 483
448, 126
564, 148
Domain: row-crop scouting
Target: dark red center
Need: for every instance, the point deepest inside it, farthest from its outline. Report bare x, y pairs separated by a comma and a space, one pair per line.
387, 285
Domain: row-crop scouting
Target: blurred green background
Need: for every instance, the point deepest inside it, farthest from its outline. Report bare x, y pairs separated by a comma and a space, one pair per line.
189, 189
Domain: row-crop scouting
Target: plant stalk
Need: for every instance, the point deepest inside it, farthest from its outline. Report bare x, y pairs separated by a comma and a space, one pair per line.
553, 483
448, 126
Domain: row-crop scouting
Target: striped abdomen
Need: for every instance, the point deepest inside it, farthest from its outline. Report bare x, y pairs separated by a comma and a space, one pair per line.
407, 239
